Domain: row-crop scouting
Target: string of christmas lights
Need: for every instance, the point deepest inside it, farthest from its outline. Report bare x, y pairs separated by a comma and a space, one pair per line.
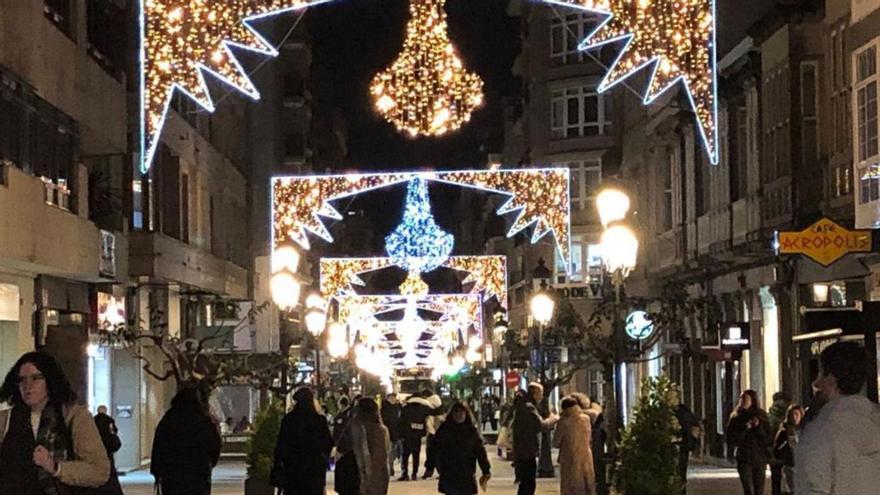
487, 275
427, 91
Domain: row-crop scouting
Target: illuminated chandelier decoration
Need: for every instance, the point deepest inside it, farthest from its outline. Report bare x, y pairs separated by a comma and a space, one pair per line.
418, 245
427, 91
539, 197
676, 38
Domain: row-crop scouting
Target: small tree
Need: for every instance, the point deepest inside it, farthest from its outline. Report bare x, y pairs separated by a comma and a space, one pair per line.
261, 446
648, 459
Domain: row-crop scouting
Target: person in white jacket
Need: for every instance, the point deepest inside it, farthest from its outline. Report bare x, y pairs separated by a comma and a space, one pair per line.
839, 451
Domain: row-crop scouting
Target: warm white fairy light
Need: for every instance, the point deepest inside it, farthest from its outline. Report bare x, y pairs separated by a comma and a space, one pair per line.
675, 37
427, 91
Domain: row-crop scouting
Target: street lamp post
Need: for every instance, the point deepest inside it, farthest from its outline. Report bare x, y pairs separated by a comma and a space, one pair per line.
316, 323
619, 247
285, 288
542, 306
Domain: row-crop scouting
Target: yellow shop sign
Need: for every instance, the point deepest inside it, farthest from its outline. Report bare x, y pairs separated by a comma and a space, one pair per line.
824, 242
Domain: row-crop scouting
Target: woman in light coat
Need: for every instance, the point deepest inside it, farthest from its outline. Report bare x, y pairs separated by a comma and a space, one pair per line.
46, 438
572, 438
372, 445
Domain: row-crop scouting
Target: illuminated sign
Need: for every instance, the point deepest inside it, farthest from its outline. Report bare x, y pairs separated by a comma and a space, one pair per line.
639, 325
111, 311
735, 336
824, 242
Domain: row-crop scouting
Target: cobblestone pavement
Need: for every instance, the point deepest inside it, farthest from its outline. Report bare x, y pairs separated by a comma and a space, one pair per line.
229, 480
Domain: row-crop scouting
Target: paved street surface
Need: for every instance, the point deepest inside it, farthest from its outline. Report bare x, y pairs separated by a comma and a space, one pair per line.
229, 480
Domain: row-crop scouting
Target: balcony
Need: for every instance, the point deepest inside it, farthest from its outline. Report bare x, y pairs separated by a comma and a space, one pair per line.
164, 258
40, 233
713, 232
746, 214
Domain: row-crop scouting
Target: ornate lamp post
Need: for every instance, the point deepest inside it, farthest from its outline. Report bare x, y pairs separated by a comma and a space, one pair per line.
620, 248
285, 288
542, 306
316, 322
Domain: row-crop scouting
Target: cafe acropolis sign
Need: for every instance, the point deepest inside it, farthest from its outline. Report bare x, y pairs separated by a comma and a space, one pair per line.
824, 242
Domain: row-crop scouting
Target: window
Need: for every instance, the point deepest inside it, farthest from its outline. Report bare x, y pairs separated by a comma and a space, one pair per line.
597, 385
585, 177
566, 33
184, 208
842, 181
578, 112
669, 173
586, 263
870, 187
739, 152
105, 30
809, 112
58, 12
866, 103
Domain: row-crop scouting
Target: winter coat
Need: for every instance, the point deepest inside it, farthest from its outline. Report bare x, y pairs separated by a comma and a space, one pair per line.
435, 419
572, 438
458, 448
752, 444
391, 419
18, 473
302, 452
372, 447
186, 448
687, 421
784, 443
527, 425
839, 452
413, 418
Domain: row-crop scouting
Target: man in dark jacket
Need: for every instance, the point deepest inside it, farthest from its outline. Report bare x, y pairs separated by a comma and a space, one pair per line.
391, 419
109, 434
688, 439
303, 449
186, 446
527, 426
412, 429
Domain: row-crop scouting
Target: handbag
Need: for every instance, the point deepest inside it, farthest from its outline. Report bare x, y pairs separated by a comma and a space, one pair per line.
110, 487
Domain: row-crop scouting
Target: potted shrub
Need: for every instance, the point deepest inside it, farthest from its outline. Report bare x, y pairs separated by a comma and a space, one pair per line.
647, 456
261, 449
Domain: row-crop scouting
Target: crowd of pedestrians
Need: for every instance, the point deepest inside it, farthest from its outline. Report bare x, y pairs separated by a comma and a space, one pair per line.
50, 445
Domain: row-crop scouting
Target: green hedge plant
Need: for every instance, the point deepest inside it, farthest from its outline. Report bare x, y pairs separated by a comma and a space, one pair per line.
261, 446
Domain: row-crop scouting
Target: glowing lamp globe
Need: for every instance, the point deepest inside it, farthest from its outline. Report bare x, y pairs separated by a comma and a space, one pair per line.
285, 290
542, 308
314, 301
620, 249
285, 258
316, 321
613, 205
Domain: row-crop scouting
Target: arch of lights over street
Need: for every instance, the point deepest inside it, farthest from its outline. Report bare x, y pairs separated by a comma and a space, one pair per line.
417, 328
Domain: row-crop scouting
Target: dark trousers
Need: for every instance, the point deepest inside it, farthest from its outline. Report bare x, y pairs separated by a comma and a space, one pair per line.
776, 479
684, 457
752, 478
429, 455
411, 447
527, 474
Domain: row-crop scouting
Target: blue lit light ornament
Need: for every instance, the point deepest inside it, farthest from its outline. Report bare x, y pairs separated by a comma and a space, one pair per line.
418, 244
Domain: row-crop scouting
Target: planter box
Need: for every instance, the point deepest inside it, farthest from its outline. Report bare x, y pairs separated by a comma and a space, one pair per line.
255, 486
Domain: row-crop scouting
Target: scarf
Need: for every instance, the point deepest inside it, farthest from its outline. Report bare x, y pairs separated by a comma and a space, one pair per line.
54, 435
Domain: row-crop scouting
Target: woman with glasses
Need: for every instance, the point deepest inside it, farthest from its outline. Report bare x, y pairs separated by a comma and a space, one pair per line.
49, 443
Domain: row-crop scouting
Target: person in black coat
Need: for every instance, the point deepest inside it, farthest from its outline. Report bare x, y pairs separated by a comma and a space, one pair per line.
186, 446
749, 433
391, 419
458, 447
303, 448
413, 428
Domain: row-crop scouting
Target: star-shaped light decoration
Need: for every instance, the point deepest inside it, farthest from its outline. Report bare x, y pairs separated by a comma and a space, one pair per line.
676, 38
486, 275
182, 40
539, 197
